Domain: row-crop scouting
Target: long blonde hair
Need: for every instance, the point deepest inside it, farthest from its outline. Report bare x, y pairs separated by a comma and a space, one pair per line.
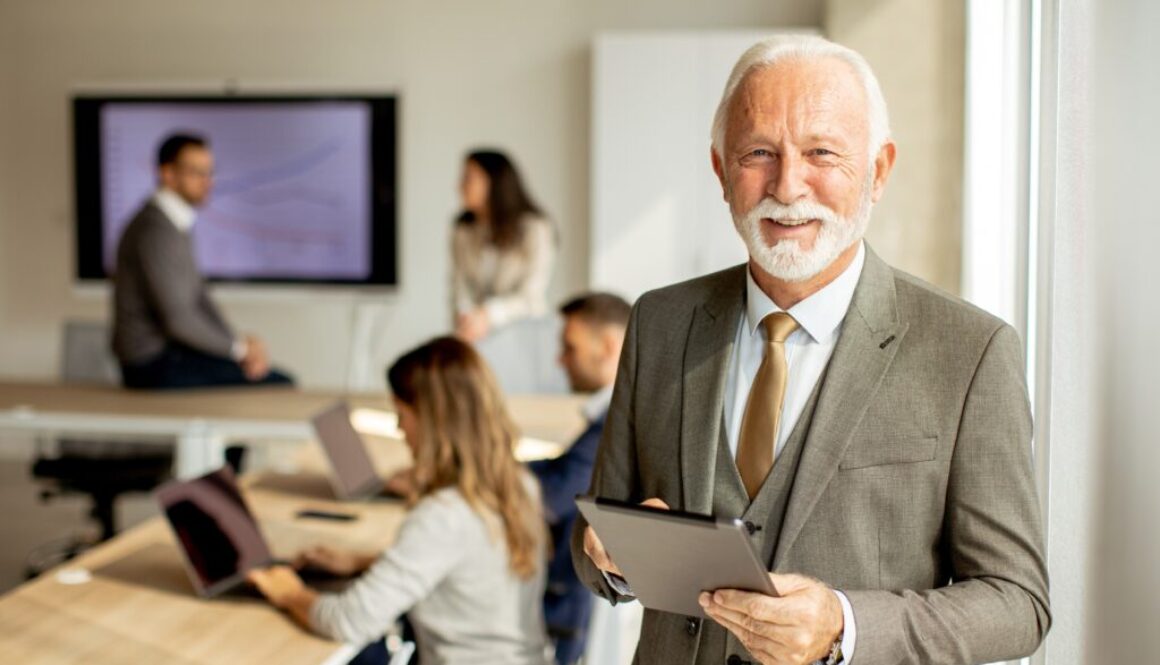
467, 441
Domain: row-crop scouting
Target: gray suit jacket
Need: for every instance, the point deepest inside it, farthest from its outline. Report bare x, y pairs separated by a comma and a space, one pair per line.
916, 471
158, 294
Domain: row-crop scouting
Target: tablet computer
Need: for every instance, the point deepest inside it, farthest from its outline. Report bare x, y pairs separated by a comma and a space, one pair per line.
669, 557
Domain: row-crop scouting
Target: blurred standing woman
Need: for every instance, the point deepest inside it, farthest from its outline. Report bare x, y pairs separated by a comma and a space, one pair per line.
468, 564
502, 249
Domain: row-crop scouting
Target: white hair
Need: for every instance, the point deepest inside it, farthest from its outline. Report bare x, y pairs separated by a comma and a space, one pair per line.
770, 51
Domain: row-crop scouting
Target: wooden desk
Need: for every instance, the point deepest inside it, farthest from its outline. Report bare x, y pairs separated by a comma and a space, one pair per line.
203, 421
140, 608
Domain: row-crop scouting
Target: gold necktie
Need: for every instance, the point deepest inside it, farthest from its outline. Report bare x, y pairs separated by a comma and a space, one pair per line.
763, 409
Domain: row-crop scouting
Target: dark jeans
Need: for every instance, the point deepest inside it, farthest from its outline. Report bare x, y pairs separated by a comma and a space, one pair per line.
183, 367
569, 648
374, 653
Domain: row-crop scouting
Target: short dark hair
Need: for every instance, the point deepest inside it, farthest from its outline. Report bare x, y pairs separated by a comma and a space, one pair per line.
173, 144
599, 309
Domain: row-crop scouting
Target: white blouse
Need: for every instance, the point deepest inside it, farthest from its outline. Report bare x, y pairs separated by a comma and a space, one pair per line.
510, 284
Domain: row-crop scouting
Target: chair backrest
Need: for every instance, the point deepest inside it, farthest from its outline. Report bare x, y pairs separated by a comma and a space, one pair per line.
523, 356
86, 356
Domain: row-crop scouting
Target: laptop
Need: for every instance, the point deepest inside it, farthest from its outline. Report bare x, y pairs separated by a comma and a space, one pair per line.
354, 477
219, 539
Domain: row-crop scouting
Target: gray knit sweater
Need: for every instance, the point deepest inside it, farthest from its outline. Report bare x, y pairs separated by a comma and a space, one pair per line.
159, 295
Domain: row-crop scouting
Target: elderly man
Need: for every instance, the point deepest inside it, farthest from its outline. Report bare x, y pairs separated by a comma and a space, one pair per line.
873, 430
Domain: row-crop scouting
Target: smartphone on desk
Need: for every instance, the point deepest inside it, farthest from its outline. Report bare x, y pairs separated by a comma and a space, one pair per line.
331, 515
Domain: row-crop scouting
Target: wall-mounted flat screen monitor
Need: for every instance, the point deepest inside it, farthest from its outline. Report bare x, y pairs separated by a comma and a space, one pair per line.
304, 186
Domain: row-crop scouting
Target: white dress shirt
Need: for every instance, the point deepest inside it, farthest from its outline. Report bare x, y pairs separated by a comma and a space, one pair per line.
807, 349
175, 208
596, 405
807, 352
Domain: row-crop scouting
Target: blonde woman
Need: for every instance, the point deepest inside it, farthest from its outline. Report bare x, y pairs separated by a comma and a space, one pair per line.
468, 563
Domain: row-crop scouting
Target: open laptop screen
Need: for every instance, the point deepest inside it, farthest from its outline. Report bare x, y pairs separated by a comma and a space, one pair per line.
215, 530
354, 473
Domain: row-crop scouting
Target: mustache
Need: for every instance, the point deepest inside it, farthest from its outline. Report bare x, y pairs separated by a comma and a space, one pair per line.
769, 208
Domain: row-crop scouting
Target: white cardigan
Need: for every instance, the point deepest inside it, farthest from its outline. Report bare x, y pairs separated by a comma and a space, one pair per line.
511, 284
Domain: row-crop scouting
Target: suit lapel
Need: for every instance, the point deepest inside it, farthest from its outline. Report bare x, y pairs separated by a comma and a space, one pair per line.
708, 350
871, 335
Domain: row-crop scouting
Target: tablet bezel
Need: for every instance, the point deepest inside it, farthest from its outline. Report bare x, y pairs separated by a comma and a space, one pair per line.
705, 537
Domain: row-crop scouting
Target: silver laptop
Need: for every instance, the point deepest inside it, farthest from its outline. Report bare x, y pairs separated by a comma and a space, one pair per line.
353, 474
219, 539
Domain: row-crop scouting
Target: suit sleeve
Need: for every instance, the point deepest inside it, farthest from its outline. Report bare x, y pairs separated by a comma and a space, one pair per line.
174, 288
615, 474
997, 607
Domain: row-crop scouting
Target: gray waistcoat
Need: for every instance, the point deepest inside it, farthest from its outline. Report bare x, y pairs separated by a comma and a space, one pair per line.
766, 512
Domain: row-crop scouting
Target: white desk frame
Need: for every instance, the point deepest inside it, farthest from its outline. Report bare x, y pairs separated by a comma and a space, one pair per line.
200, 442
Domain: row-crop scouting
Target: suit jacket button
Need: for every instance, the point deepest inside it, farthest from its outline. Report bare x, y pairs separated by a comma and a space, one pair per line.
734, 659
691, 626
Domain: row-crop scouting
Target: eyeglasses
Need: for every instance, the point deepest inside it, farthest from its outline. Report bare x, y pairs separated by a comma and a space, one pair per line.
206, 174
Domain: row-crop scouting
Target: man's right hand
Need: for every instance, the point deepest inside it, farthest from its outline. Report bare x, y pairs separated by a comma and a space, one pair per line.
256, 363
595, 549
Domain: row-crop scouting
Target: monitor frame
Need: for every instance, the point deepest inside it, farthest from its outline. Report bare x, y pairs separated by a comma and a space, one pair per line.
88, 214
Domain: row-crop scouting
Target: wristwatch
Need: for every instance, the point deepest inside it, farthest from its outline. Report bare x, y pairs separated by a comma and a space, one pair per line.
835, 656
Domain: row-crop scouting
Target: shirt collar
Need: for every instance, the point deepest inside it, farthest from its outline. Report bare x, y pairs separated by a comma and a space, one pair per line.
819, 315
597, 404
175, 208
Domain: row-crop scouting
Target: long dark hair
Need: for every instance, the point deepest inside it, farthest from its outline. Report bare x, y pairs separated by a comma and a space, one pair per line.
507, 201
468, 440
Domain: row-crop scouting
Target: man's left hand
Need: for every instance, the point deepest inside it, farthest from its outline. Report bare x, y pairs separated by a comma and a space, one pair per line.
798, 627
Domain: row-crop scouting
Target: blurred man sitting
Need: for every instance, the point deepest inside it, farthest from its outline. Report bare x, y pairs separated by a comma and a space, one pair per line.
593, 334
167, 332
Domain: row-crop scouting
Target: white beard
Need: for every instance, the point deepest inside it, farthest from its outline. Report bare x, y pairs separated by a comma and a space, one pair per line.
787, 260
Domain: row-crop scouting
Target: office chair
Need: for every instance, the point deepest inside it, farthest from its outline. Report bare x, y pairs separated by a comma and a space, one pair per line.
102, 469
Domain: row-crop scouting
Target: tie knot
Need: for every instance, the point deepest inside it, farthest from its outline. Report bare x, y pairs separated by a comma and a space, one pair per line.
779, 326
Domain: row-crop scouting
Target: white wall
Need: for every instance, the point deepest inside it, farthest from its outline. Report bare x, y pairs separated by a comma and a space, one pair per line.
1124, 588
513, 73
654, 193
916, 49
7, 64
1068, 357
